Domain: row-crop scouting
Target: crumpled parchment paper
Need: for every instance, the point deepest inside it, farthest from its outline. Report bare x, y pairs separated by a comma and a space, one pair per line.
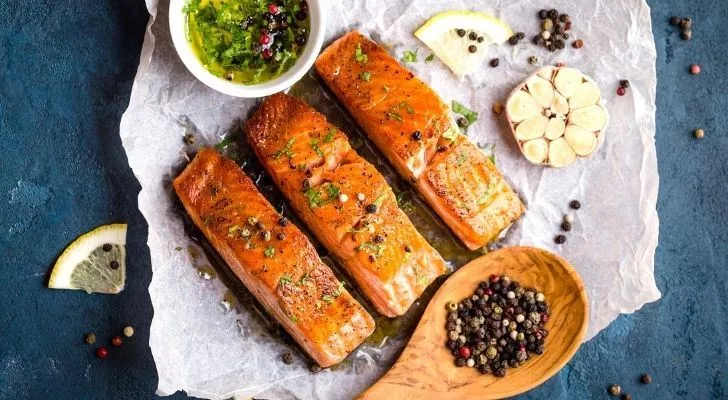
201, 347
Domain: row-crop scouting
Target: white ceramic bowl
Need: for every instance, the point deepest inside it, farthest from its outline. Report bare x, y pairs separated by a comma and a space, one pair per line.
178, 30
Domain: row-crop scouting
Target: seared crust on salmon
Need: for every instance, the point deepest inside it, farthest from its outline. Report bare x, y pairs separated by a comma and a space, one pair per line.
345, 201
411, 125
273, 258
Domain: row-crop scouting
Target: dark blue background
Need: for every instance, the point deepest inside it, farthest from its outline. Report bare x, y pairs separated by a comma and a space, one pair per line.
66, 70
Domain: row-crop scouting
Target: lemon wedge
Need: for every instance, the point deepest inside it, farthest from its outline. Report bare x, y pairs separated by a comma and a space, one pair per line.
440, 34
95, 262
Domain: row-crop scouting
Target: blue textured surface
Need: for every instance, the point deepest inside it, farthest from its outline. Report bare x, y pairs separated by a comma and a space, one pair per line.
66, 70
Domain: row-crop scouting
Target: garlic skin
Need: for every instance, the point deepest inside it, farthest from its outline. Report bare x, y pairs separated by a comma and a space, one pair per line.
557, 116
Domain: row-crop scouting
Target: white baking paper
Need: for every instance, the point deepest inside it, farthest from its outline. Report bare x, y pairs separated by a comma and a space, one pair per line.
209, 351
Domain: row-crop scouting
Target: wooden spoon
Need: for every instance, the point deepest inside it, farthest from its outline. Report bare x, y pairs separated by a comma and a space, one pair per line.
426, 368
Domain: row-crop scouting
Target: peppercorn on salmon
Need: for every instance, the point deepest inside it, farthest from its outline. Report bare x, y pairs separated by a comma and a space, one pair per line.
274, 259
345, 201
411, 125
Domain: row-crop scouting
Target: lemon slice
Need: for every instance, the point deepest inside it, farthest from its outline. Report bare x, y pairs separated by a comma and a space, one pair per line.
439, 33
95, 262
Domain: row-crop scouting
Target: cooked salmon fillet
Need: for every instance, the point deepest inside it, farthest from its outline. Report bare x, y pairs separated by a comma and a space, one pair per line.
274, 259
411, 125
345, 201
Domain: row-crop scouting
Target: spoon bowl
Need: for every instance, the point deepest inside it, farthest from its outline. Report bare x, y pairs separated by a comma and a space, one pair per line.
426, 368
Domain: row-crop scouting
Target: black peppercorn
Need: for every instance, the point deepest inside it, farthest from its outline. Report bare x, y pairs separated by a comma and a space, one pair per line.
624, 83
114, 264
282, 221
473, 36
500, 372
460, 32
301, 15
481, 39
417, 135
646, 379
460, 362
543, 14
371, 208
472, 48
281, 236
494, 62
288, 358
553, 14
560, 239
626, 396
675, 20
513, 40
106, 247
378, 239
462, 122
559, 44
260, 225
520, 35
306, 184
564, 17
300, 40
575, 204
372, 258
408, 248
552, 47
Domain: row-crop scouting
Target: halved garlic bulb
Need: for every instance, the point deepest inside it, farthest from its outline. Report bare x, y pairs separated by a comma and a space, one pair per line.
557, 115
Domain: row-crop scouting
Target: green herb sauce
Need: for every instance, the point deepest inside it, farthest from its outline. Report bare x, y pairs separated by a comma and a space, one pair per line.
247, 41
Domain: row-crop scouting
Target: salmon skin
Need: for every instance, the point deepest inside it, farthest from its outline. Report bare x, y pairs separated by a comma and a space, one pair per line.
411, 125
274, 259
345, 201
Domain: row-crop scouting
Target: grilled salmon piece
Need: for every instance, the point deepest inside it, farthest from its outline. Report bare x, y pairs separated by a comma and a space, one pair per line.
274, 259
345, 201
411, 125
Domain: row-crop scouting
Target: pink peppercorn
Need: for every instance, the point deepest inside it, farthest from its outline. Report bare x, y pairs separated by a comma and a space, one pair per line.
264, 39
273, 9
695, 69
465, 352
621, 91
267, 53
102, 352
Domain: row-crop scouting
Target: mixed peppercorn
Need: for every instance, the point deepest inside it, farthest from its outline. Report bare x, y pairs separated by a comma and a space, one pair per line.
102, 352
616, 390
500, 326
567, 221
685, 24
555, 30
623, 86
